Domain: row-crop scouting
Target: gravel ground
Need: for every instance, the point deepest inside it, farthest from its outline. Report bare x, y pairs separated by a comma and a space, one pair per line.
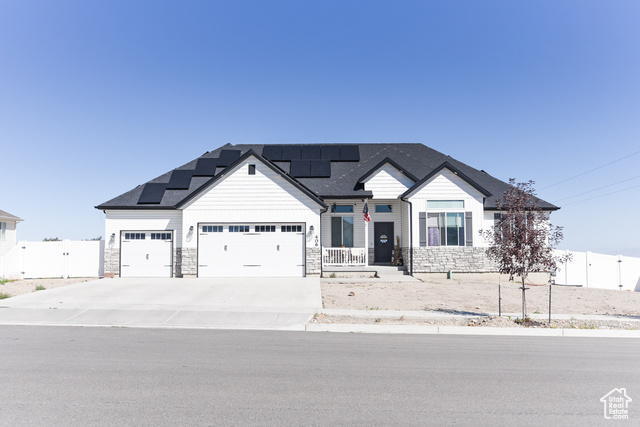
20, 287
476, 297
490, 321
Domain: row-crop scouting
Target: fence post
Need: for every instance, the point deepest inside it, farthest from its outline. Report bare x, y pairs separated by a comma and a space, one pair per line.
588, 267
549, 303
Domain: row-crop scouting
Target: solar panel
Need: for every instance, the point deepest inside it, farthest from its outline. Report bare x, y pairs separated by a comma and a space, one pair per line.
272, 152
227, 157
206, 167
320, 169
180, 180
349, 153
330, 152
310, 152
300, 168
291, 152
152, 193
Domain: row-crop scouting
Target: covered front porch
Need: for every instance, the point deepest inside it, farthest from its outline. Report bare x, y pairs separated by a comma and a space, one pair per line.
349, 241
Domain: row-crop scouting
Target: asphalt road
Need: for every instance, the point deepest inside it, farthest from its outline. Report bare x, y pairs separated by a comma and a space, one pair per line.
119, 376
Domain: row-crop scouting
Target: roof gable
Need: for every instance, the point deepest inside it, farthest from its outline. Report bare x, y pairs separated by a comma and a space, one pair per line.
456, 171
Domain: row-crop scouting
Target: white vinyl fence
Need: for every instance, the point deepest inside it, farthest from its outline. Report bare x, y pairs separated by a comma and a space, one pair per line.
66, 258
592, 270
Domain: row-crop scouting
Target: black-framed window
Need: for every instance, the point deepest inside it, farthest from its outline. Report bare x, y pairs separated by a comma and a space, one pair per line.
238, 229
252, 169
291, 228
384, 208
212, 228
342, 231
342, 208
265, 228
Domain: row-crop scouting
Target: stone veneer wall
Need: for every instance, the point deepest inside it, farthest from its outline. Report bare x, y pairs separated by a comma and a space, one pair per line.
443, 259
313, 261
111, 262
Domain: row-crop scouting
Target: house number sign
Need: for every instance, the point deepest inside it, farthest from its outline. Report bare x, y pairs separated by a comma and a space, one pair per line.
383, 238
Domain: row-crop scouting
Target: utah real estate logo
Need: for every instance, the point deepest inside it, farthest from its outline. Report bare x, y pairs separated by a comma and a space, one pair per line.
616, 404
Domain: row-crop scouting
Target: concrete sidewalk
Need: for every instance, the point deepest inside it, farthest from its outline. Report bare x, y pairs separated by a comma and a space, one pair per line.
237, 303
466, 330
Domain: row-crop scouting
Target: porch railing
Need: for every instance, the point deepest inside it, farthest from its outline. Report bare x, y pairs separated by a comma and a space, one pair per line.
343, 257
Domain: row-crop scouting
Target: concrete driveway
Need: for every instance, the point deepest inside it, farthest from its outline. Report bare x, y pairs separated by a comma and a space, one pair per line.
235, 303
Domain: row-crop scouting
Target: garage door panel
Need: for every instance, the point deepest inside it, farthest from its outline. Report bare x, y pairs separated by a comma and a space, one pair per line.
142, 256
250, 254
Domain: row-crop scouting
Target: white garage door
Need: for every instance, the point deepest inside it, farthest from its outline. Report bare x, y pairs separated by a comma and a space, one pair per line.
251, 250
146, 254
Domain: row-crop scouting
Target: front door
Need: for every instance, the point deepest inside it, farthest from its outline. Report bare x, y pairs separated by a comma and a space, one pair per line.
383, 245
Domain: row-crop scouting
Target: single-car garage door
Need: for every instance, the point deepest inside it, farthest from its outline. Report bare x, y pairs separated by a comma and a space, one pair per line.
146, 254
251, 250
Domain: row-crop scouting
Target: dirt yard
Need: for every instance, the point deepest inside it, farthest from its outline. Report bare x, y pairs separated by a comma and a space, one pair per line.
20, 287
456, 296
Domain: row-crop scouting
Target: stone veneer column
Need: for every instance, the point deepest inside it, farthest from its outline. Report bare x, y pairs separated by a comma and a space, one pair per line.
313, 260
189, 258
111, 262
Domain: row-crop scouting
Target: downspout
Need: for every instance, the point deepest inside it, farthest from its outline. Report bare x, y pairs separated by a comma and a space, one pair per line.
410, 234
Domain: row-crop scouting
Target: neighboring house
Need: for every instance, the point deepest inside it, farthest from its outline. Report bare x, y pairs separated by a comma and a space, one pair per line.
291, 210
7, 231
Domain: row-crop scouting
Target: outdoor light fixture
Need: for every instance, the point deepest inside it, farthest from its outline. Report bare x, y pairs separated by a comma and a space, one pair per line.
311, 229
191, 229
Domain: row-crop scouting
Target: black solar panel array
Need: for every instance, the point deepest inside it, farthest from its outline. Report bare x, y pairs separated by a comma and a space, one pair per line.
311, 161
180, 180
206, 167
152, 193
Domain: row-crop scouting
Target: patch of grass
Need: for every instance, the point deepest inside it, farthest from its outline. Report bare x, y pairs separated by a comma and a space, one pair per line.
4, 280
4, 296
536, 312
40, 288
377, 320
332, 276
375, 307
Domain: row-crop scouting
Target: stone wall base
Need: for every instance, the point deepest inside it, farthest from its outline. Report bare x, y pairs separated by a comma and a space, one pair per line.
313, 261
460, 259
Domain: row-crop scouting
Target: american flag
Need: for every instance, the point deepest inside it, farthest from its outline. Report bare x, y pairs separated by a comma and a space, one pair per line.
365, 211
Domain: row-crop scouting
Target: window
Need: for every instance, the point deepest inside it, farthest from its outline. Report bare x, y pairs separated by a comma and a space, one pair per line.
212, 229
252, 169
134, 236
445, 204
342, 231
291, 229
384, 208
265, 228
238, 229
445, 229
3, 231
160, 236
342, 208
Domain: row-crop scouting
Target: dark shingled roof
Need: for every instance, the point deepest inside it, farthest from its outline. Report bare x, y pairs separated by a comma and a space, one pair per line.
416, 160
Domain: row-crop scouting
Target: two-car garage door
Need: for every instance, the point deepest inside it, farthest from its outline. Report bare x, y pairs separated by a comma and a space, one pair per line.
251, 250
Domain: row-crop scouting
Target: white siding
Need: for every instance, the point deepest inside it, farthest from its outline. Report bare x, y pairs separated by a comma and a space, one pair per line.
9, 240
151, 220
265, 197
358, 220
448, 186
388, 183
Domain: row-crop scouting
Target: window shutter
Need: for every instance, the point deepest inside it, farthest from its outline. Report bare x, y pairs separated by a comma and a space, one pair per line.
468, 225
423, 228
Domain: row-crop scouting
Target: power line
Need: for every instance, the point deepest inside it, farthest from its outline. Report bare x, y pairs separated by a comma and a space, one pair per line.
596, 189
589, 171
602, 195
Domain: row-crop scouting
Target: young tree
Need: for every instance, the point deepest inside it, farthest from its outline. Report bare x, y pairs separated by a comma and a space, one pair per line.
522, 241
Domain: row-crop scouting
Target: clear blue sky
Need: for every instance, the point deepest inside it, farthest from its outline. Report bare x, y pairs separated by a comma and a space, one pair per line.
97, 97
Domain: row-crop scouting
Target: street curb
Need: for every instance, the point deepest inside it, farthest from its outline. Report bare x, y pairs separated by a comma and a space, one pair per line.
469, 330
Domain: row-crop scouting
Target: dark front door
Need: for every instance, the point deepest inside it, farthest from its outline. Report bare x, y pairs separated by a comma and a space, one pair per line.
383, 245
